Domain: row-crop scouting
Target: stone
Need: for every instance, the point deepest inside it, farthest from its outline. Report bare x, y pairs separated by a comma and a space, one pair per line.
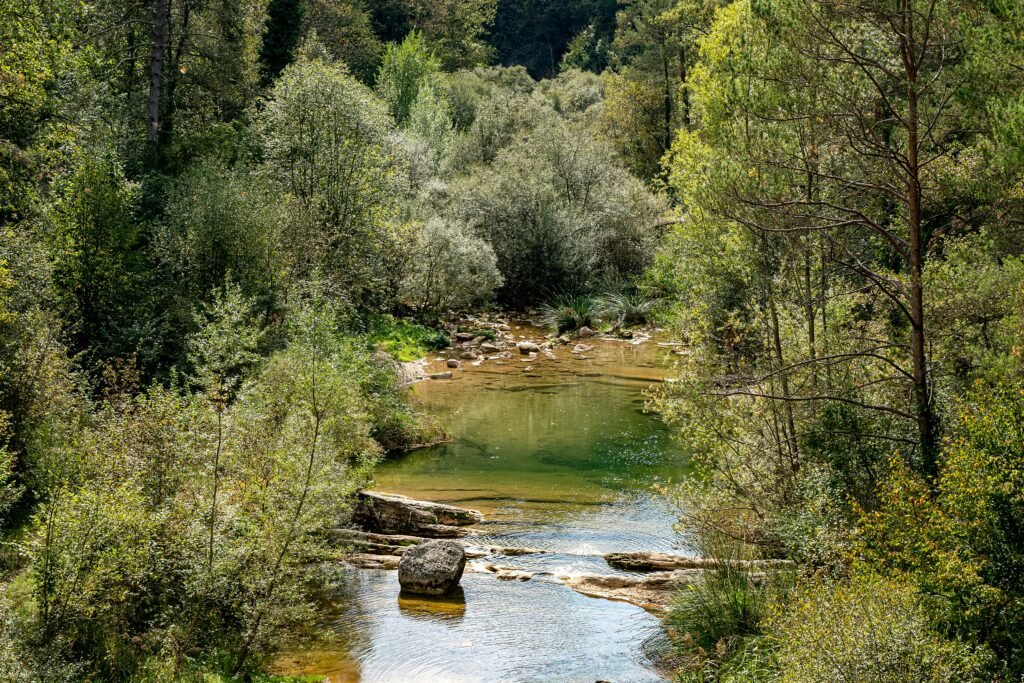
390, 513
468, 355
657, 562
453, 363
581, 348
464, 336
526, 347
433, 568
440, 375
586, 332
478, 340
368, 561
488, 347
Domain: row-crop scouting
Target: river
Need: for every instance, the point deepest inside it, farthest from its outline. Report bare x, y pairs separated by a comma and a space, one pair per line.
559, 455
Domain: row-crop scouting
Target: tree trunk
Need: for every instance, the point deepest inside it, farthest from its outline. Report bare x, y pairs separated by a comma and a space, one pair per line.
156, 68
922, 393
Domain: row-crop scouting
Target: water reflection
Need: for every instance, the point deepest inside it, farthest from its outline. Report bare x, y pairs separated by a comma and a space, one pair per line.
450, 608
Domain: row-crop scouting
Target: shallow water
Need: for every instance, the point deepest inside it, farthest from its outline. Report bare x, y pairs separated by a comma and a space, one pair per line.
559, 455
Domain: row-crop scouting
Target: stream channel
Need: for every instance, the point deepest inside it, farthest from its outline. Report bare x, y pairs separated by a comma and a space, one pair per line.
558, 454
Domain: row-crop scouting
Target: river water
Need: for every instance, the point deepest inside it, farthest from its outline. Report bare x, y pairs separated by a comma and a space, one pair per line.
559, 455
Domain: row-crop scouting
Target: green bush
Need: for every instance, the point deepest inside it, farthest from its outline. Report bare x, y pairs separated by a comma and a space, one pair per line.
867, 629
567, 312
627, 308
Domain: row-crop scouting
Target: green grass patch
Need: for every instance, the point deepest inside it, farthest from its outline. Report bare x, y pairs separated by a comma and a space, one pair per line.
404, 340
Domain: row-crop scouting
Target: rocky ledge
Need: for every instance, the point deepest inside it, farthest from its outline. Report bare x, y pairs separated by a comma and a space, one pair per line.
390, 513
660, 562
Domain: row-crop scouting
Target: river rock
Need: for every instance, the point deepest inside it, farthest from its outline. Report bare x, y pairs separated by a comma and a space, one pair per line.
488, 347
659, 562
390, 513
433, 568
440, 375
453, 363
652, 591
586, 332
526, 347
464, 336
469, 355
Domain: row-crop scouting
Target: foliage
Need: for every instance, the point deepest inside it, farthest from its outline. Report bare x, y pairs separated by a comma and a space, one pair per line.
964, 542
567, 312
627, 308
405, 341
123, 563
451, 269
405, 69
330, 149
869, 629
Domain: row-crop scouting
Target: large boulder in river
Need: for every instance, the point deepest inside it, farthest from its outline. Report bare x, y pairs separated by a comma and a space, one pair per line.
432, 568
390, 513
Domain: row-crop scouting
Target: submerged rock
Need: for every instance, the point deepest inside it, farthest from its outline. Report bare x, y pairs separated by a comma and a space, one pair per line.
433, 568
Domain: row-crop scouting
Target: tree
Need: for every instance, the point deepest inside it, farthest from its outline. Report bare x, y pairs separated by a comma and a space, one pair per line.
838, 119
406, 67
330, 147
451, 269
281, 37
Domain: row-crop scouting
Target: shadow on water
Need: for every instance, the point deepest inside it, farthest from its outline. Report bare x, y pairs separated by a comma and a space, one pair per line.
565, 461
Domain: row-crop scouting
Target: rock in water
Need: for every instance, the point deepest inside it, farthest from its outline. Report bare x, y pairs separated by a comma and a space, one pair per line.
526, 347
432, 568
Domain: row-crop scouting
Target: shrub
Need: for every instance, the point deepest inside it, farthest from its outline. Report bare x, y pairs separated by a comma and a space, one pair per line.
403, 340
867, 629
626, 308
450, 268
567, 312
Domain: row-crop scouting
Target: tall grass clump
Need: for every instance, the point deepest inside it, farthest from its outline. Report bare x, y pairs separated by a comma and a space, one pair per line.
627, 308
567, 312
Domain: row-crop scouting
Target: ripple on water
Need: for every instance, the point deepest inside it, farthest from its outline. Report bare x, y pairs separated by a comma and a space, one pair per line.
534, 631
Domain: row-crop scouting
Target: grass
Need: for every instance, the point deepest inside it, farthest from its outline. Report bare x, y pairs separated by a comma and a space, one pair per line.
567, 312
404, 340
627, 309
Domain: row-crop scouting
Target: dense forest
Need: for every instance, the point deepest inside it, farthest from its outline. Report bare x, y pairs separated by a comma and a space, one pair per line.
222, 222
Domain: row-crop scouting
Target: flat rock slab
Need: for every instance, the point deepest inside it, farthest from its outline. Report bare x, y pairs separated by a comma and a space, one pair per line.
390, 513
652, 592
370, 561
658, 562
432, 568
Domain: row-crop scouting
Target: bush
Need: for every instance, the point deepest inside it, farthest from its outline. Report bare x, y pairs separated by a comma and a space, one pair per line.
867, 629
449, 268
403, 340
626, 308
717, 611
567, 312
